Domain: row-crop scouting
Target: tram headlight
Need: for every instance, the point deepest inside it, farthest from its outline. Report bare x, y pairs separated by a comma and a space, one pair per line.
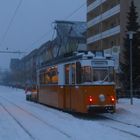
102, 97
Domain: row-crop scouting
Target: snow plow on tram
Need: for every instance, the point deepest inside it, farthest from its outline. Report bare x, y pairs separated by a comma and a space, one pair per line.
81, 83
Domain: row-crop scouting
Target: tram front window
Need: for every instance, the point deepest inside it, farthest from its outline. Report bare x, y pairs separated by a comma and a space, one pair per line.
90, 74
100, 75
103, 74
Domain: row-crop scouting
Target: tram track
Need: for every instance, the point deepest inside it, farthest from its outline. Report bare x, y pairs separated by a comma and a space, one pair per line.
34, 116
44, 107
18, 122
108, 118
129, 124
102, 121
121, 123
50, 109
124, 131
98, 117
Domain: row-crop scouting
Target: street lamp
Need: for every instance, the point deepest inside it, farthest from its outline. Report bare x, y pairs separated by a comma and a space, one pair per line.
131, 34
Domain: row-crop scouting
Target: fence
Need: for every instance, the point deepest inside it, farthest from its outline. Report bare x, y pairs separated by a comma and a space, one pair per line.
126, 93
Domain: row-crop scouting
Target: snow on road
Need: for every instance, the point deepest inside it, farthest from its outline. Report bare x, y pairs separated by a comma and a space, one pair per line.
24, 120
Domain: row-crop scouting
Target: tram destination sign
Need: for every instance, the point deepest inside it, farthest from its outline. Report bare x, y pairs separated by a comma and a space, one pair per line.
99, 63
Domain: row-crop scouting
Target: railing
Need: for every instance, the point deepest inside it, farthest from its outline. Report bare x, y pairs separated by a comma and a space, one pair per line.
104, 16
104, 34
126, 93
95, 4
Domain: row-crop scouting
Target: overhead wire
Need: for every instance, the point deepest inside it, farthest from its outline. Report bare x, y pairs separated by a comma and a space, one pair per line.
10, 23
66, 18
16, 52
44, 35
75, 11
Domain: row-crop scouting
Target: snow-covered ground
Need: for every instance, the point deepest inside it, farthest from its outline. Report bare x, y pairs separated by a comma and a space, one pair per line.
22, 120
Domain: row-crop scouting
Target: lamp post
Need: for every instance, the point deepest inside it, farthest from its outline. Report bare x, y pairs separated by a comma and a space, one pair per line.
131, 34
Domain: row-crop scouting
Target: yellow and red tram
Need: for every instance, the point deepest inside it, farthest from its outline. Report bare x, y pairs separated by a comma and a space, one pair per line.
81, 83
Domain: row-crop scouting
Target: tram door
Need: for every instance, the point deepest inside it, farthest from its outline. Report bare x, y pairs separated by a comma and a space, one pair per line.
69, 81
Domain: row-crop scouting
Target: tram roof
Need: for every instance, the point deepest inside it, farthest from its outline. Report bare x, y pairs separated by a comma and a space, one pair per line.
72, 57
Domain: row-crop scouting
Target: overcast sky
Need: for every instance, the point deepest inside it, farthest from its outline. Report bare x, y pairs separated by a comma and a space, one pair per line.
31, 22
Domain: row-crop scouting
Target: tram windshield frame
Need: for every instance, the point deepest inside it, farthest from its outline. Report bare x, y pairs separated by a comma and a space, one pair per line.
97, 74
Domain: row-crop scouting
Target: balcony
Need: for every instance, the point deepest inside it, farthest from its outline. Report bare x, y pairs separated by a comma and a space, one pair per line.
104, 16
95, 4
104, 34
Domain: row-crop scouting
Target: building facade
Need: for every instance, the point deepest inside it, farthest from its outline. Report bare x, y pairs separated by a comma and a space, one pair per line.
70, 37
106, 22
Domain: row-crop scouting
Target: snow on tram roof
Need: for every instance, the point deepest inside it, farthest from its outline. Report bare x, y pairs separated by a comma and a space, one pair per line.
79, 55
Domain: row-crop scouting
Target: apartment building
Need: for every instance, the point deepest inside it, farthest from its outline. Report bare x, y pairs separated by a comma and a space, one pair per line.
106, 22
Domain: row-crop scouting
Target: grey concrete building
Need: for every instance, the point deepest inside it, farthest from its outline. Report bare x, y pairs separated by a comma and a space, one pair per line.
106, 22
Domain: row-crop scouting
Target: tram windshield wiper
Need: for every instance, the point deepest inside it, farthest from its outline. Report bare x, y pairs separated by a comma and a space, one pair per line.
105, 78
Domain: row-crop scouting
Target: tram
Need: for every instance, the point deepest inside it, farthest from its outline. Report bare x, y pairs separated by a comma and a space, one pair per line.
83, 83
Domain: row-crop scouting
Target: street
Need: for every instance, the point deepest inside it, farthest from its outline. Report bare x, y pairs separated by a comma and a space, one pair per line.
24, 120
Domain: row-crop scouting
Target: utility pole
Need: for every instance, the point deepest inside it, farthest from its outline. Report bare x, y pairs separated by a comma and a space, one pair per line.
131, 34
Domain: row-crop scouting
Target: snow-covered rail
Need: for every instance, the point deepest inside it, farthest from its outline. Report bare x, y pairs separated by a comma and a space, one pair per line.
122, 125
31, 115
18, 122
129, 124
112, 123
43, 122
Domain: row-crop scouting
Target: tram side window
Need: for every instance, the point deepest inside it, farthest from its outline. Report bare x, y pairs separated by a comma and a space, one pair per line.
73, 73
50, 76
47, 78
67, 74
111, 74
78, 73
54, 76
41, 78
86, 74
70, 73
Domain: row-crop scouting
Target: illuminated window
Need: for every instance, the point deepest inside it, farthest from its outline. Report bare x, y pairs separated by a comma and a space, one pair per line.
50, 76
